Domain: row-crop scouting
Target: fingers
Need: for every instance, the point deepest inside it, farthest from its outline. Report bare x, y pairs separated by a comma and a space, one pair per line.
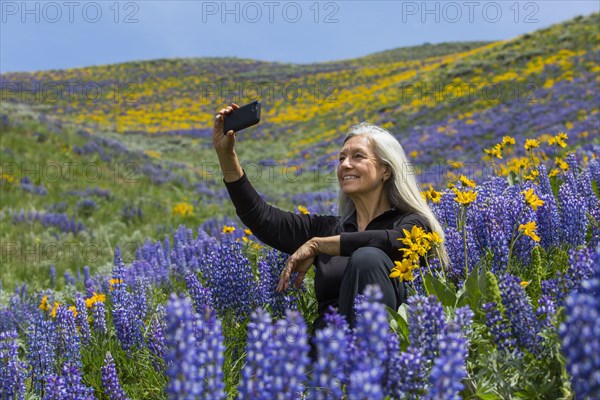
299, 279
228, 109
284, 278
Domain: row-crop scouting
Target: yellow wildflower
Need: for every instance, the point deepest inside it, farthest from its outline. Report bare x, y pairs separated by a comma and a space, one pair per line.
560, 163
73, 309
465, 198
96, 298
228, 229
183, 209
247, 231
466, 182
532, 175
434, 238
44, 305
529, 229
432, 195
507, 140
416, 243
558, 140
495, 151
553, 172
524, 284
53, 312
403, 270
303, 210
457, 164
531, 144
532, 199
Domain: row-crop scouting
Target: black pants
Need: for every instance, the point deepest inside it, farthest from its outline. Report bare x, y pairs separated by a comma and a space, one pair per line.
368, 266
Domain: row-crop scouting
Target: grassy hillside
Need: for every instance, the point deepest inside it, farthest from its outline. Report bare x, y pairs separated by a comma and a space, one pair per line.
136, 135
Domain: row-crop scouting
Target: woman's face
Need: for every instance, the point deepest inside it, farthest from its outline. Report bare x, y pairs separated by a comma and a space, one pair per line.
359, 171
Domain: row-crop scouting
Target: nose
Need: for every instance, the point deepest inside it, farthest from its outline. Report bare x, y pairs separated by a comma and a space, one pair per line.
346, 163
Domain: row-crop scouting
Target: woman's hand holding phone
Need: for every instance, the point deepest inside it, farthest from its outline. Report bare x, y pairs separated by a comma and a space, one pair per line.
223, 144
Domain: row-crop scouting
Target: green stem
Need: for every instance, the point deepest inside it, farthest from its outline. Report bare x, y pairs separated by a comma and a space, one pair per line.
464, 229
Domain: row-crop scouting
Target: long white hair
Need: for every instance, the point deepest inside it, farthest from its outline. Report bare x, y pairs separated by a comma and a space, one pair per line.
402, 188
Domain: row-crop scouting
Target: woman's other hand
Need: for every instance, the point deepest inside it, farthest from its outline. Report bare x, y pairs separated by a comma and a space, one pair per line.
223, 144
299, 262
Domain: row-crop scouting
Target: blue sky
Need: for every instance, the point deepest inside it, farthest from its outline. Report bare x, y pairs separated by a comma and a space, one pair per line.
41, 35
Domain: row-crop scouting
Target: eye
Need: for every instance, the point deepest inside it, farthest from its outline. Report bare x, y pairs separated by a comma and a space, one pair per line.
358, 155
342, 158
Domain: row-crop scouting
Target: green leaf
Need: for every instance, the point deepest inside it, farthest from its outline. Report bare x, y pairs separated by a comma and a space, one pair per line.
399, 322
445, 294
470, 293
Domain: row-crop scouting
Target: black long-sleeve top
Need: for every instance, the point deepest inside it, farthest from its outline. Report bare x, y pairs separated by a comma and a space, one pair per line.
287, 231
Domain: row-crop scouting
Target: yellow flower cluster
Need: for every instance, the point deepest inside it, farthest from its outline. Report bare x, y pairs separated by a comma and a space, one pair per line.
432, 195
228, 229
532, 199
96, 298
464, 198
303, 210
45, 306
183, 209
417, 244
529, 229
558, 140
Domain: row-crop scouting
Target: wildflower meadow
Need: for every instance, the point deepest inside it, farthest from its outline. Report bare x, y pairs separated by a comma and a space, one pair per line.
128, 275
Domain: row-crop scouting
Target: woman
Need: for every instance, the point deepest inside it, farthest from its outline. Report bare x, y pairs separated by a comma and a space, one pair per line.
378, 198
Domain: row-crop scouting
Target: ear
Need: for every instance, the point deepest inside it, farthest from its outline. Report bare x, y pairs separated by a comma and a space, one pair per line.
387, 174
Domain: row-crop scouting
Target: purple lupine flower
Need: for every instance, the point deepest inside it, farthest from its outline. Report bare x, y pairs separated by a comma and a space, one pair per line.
462, 321
456, 253
128, 324
330, 371
426, 322
580, 334
73, 383
12, 378
156, 337
392, 372
500, 248
581, 268
546, 310
69, 279
181, 358
498, 328
210, 348
41, 354
289, 357
69, 343
201, 296
524, 326
82, 320
446, 210
269, 269
99, 316
228, 273
55, 388
573, 220
370, 334
256, 381
413, 367
448, 370
548, 219
52, 276
110, 379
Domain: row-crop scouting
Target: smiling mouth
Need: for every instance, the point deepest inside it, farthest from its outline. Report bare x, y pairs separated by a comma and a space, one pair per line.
349, 177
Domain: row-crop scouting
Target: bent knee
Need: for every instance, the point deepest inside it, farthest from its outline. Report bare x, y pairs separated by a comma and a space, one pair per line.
365, 257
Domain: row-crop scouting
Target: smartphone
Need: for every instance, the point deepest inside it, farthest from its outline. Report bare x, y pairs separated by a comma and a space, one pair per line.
242, 118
